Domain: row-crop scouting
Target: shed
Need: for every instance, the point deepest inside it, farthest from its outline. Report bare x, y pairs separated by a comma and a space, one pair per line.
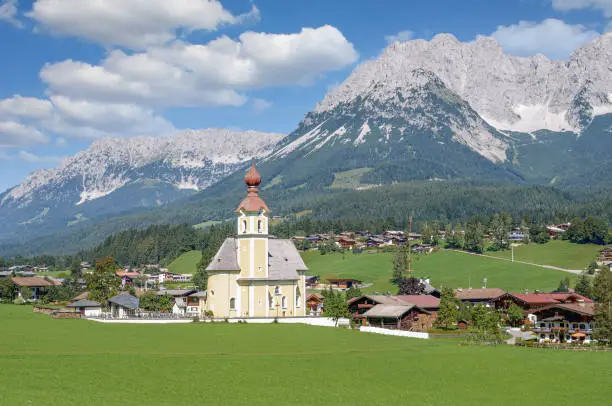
394, 316
87, 308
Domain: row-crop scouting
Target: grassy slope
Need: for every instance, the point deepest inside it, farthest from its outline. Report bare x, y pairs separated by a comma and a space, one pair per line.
274, 364
563, 254
349, 179
186, 263
444, 268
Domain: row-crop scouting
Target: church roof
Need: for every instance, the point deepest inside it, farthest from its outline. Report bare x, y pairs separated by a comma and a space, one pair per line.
284, 260
226, 258
252, 202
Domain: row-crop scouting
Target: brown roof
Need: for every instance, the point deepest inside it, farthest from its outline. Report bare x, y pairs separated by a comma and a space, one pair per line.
252, 202
82, 296
424, 301
33, 281
475, 294
587, 309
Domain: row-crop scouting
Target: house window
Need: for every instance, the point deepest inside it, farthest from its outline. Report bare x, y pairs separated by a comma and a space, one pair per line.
259, 226
298, 297
270, 301
232, 304
582, 327
284, 302
244, 226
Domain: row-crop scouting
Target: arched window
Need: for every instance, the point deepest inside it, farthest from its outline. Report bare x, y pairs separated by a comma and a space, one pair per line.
244, 226
298, 297
270, 301
232, 304
259, 226
284, 302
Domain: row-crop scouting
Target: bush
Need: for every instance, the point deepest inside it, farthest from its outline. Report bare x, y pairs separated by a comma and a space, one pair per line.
19, 301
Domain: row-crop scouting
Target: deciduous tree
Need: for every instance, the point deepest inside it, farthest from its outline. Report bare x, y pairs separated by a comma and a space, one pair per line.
103, 283
449, 309
410, 286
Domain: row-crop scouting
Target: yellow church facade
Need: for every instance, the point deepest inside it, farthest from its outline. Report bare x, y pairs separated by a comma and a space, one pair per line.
254, 274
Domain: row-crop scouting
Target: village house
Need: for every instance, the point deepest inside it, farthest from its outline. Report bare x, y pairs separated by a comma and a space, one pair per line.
555, 230
254, 274
517, 235
565, 322
311, 281
123, 305
196, 303
605, 256
531, 302
127, 277
315, 303
479, 295
180, 297
35, 286
342, 283
87, 308
424, 304
398, 316
346, 242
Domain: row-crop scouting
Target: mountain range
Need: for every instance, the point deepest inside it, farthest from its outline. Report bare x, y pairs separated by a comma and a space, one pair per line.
433, 111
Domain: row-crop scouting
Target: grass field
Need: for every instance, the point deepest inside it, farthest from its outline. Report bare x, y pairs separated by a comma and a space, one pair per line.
186, 263
349, 179
444, 268
76, 362
563, 254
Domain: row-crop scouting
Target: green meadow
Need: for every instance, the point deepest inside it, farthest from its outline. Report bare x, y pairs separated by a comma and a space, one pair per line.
563, 254
186, 263
77, 362
448, 268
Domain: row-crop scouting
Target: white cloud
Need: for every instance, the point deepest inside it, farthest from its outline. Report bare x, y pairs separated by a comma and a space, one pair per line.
39, 159
608, 27
25, 107
566, 5
8, 12
260, 105
135, 24
551, 37
14, 134
401, 36
215, 73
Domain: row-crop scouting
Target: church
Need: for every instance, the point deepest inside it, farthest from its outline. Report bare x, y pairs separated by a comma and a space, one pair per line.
255, 274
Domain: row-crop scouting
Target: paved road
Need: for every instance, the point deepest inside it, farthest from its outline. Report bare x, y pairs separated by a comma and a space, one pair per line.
574, 271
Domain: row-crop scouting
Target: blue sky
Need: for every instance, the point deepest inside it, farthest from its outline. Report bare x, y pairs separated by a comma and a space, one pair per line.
72, 72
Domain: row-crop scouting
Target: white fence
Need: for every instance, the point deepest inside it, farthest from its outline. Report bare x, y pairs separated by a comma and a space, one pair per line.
312, 321
399, 333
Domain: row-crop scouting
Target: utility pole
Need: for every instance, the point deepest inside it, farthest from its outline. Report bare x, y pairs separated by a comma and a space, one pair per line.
410, 247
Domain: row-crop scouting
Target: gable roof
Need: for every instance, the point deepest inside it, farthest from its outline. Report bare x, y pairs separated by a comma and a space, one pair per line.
424, 301
390, 310
226, 258
32, 281
84, 295
547, 298
84, 303
176, 292
125, 300
588, 309
476, 294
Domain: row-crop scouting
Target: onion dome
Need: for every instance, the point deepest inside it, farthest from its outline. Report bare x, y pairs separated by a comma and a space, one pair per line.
252, 178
